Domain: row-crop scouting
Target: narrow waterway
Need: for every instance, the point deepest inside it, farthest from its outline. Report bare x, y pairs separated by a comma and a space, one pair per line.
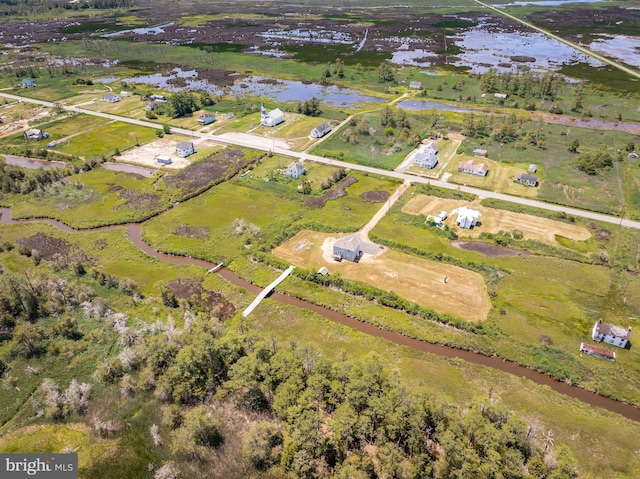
135, 234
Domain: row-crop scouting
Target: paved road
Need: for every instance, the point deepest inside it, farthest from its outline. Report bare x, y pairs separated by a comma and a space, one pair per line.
256, 144
575, 46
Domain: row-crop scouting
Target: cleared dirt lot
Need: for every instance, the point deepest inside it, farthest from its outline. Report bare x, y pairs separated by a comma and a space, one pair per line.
419, 280
493, 220
146, 154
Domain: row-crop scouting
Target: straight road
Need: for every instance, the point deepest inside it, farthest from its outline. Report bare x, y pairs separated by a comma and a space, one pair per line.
246, 142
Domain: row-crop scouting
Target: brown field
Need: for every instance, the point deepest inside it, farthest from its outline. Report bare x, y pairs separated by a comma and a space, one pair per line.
146, 155
494, 220
418, 280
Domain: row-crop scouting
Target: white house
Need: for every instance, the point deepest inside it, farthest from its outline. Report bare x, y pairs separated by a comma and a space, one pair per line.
416, 85
111, 98
527, 180
295, 170
610, 333
467, 218
347, 248
473, 168
185, 149
320, 130
273, 118
428, 157
125, 94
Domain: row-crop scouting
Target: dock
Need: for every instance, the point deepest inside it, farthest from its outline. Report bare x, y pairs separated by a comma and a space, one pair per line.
263, 294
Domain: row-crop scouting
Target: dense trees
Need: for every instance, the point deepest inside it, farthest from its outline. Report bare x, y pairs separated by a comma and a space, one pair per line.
594, 163
182, 103
310, 107
526, 85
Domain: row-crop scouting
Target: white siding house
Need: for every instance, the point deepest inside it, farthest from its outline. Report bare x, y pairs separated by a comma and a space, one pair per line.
111, 98
320, 130
185, 149
273, 118
467, 218
295, 170
428, 157
347, 248
610, 333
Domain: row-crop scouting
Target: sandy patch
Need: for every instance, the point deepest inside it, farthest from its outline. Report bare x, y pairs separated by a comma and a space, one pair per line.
495, 220
255, 141
442, 287
146, 154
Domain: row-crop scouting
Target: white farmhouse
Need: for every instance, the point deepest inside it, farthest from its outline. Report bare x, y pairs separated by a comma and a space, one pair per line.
273, 118
185, 149
467, 218
610, 333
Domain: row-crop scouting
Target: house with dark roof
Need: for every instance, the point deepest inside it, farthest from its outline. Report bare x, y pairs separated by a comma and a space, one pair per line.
527, 179
347, 248
611, 334
597, 351
473, 168
295, 170
206, 118
111, 98
35, 134
185, 149
320, 130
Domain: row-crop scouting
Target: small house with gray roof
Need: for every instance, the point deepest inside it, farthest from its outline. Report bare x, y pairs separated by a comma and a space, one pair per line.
320, 130
347, 248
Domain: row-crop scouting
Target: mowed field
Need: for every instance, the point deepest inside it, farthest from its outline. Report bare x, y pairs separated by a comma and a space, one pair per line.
418, 280
494, 220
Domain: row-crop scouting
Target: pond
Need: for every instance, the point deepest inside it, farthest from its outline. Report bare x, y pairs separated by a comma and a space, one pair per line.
621, 47
254, 86
417, 105
33, 163
488, 249
488, 46
140, 31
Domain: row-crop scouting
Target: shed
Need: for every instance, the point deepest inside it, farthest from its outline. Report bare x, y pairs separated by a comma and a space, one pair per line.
28, 83
228, 116
323, 271
500, 95
532, 168
164, 159
125, 94
347, 248
526, 179
597, 351
320, 130
416, 85
480, 152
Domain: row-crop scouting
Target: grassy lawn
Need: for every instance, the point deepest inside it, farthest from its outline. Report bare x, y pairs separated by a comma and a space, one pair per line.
94, 198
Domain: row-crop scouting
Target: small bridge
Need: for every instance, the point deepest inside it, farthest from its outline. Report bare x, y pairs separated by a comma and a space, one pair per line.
266, 291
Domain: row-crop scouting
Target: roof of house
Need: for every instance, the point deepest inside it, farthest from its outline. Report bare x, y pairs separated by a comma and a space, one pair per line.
32, 131
185, 145
465, 212
323, 127
480, 152
597, 350
473, 166
296, 166
206, 114
351, 243
109, 96
527, 178
275, 113
612, 330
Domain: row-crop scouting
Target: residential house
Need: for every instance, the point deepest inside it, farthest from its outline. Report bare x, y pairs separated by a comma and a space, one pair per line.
532, 168
155, 97
480, 152
347, 248
467, 218
164, 159
273, 118
320, 130
185, 149
295, 170
597, 351
610, 333
111, 98
150, 106
206, 118
35, 134
28, 83
526, 179
416, 85
473, 168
